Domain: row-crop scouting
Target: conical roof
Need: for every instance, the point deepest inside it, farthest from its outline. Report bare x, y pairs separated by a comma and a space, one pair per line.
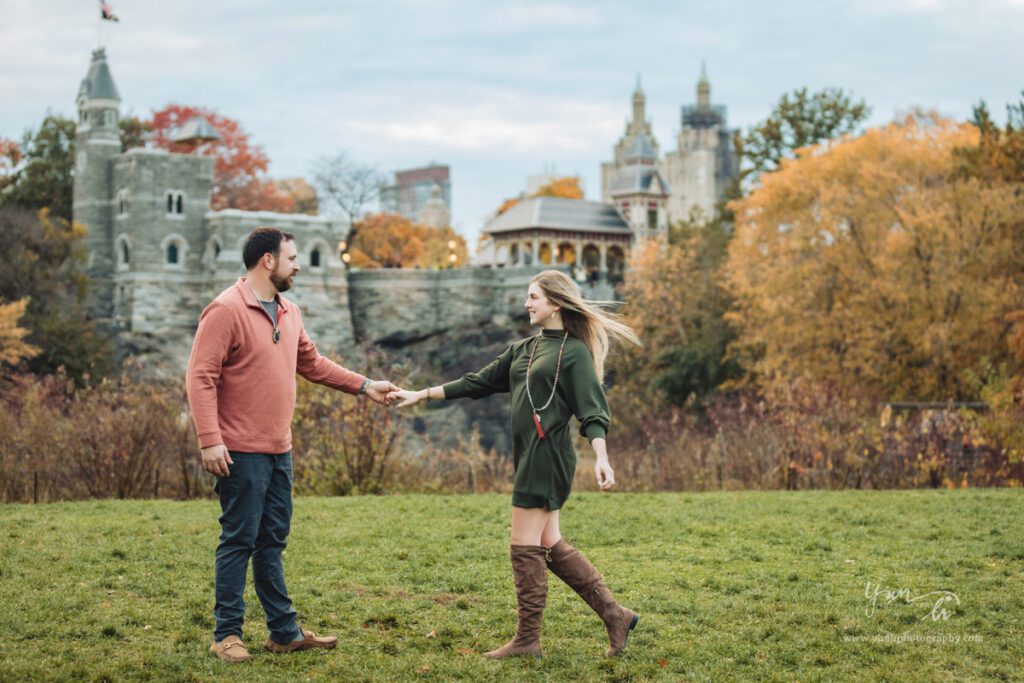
98, 83
196, 129
640, 150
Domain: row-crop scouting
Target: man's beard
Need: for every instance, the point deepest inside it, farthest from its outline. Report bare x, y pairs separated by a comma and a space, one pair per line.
282, 282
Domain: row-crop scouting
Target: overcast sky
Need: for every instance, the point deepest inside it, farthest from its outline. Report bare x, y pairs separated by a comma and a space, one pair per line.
498, 90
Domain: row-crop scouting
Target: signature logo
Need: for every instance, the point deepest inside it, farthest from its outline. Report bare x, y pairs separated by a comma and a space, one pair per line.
884, 597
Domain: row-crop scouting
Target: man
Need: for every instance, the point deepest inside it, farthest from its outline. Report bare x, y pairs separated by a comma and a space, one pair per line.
241, 389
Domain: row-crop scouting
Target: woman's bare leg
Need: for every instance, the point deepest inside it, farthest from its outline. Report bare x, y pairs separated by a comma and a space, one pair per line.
528, 524
529, 569
551, 535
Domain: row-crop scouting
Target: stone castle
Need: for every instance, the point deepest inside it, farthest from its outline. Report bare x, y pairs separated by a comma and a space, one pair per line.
158, 254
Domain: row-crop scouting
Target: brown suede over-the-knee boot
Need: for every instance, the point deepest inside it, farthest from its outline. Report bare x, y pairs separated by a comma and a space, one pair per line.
531, 577
571, 566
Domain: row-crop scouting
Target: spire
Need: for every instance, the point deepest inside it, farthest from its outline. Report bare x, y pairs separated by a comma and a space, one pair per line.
638, 103
703, 88
98, 84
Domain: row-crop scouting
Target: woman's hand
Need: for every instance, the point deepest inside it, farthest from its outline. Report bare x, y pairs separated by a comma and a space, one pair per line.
604, 473
407, 398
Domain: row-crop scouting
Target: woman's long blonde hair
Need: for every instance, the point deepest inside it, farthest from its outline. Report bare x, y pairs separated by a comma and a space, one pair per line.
585, 320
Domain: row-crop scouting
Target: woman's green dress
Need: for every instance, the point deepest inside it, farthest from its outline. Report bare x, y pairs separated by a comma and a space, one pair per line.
544, 467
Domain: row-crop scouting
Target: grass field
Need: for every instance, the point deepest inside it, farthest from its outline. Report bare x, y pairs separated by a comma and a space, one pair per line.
730, 586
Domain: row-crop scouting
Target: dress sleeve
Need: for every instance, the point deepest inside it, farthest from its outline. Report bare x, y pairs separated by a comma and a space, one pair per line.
492, 379
586, 397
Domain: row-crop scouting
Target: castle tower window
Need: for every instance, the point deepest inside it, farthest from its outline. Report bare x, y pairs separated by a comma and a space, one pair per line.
123, 252
172, 254
175, 203
652, 219
122, 203
314, 258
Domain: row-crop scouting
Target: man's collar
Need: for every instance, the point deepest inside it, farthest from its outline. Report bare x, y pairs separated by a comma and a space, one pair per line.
249, 296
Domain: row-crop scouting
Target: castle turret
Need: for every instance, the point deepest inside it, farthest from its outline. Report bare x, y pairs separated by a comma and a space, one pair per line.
97, 142
637, 144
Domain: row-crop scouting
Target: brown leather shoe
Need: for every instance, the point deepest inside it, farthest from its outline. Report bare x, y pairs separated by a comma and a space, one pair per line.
531, 579
231, 649
310, 641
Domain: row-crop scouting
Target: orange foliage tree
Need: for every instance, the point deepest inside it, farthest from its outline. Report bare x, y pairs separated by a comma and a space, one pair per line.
13, 347
568, 187
871, 264
10, 157
388, 240
239, 175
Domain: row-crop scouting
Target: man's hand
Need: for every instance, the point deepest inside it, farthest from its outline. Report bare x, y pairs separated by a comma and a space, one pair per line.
216, 460
380, 392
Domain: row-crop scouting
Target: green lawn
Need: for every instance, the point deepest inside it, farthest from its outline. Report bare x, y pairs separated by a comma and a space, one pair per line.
730, 586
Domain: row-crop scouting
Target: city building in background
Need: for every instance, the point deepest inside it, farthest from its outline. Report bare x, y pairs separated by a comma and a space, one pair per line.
697, 172
413, 190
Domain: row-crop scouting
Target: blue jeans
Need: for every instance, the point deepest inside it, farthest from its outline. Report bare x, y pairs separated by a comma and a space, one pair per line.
256, 502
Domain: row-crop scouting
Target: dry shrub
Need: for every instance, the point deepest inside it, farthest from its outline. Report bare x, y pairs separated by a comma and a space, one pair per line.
464, 467
118, 439
343, 445
806, 437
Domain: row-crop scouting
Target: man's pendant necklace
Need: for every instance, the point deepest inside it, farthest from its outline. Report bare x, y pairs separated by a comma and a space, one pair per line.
276, 334
554, 385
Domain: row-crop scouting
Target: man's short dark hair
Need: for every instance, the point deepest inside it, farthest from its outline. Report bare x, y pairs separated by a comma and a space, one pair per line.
263, 241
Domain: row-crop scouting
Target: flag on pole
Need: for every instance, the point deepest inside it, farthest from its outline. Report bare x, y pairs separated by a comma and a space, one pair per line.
107, 13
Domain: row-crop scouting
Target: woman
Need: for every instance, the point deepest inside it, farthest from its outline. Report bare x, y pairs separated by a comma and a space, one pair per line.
552, 376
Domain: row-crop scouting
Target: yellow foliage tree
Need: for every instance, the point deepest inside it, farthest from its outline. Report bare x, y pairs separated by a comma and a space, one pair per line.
870, 263
568, 187
387, 240
13, 347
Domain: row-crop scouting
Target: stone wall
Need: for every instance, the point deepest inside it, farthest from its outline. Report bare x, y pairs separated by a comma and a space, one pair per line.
394, 307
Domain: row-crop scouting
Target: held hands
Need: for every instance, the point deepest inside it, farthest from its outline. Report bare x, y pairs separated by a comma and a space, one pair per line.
408, 398
382, 392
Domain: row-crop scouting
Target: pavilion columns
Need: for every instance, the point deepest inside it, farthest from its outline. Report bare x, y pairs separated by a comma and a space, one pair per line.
604, 257
536, 250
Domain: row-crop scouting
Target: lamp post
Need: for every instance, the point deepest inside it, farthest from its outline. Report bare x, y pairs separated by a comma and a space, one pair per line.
452, 256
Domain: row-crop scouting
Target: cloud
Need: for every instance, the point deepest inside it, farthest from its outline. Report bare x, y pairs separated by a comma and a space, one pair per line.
538, 127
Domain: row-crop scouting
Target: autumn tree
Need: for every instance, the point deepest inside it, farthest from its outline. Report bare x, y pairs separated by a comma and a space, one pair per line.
42, 176
43, 260
439, 246
567, 187
135, 132
872, 263
10, 158
676, 303
387, 240
240, 178
13, 347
